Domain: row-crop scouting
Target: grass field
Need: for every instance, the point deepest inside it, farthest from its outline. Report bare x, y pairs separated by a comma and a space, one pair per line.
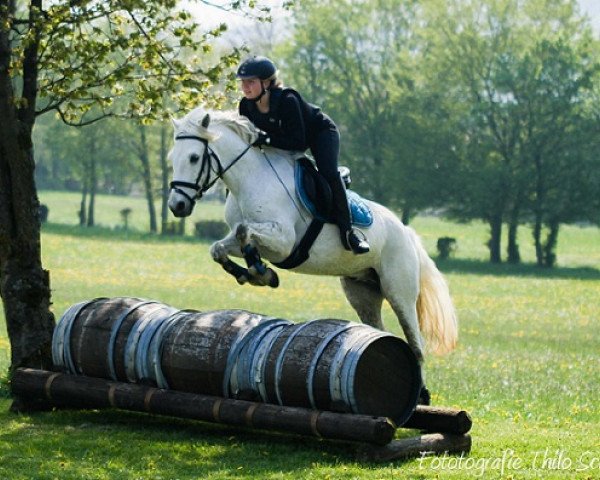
526, 367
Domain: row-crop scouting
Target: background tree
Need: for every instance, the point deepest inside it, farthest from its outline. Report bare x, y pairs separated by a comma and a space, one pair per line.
358, 60
519, 69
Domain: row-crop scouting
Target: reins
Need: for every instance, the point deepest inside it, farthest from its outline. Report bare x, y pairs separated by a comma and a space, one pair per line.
207, 165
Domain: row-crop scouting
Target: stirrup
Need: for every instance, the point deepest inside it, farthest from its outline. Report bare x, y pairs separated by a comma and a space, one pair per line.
356, 244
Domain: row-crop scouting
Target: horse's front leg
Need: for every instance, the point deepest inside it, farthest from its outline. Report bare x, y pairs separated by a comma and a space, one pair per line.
220, 252
271, 237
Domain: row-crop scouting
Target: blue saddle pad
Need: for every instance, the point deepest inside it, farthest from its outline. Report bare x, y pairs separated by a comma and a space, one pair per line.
360, 213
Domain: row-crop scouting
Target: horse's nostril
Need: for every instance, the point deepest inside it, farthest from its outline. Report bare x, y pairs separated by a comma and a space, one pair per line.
180, 206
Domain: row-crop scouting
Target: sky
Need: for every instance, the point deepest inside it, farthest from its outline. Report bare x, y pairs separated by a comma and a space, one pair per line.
592, 8
213, 15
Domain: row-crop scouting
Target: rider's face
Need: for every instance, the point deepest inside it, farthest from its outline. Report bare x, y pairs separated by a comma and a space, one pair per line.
251, 87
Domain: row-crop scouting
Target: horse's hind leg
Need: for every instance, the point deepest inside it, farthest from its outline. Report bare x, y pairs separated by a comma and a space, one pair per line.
401, 293
400, 287
399, 275
366, 298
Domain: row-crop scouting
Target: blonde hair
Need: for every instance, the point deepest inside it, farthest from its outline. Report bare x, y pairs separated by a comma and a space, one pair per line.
274, 82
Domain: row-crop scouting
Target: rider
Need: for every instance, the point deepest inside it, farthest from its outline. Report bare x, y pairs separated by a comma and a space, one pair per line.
290, 123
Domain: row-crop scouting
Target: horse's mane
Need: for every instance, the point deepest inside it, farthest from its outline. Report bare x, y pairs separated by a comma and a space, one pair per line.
231, 119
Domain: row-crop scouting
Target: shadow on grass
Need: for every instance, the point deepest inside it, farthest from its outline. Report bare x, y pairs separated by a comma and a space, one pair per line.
102, 439
478, 267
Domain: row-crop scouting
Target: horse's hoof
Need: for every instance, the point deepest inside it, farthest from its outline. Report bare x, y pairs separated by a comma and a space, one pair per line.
242, 280
274, 278
424, 396
257, 270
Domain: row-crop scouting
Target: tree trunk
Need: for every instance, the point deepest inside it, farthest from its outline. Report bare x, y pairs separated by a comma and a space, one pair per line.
512, 250
538, 208
92, 182
147, 176
537, 240
24, 284
550, 245
495, 239
406, 212
83, 203
164, 168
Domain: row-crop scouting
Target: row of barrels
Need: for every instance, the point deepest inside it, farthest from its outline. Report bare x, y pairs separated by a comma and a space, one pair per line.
325, 364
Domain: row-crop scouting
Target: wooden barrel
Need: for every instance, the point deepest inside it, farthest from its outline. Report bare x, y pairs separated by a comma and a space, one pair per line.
322, 364
101, 337
196, 352
340, 366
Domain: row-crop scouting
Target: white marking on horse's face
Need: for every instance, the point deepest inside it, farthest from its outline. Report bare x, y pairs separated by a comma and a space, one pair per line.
186, 157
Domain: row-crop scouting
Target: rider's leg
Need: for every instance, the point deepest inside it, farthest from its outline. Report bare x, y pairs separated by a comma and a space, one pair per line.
326, 151
341, 211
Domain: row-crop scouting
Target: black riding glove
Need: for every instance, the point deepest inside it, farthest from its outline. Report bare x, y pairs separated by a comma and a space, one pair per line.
263, 139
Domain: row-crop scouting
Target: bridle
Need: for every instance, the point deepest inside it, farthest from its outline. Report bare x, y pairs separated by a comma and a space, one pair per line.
210, 163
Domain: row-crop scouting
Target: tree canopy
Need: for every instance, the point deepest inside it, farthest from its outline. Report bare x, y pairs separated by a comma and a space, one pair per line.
481, 110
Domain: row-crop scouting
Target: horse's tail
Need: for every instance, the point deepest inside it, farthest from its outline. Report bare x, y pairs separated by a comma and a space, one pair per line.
437, 317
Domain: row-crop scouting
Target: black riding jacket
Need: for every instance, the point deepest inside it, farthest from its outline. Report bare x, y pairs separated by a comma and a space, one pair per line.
291, 123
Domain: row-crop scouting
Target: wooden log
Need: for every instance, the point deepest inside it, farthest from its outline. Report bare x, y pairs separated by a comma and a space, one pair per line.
429, 444
440, 419
63, 390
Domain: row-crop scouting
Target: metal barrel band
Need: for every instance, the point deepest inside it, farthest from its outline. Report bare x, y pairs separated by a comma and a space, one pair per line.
131, 347
238, 343
61, 340
246, 371
260, 363
58, 335
238, 364
335, 387
132, 340
348, 370
142, 352
157, 345
114, 332
282, 352
312, 369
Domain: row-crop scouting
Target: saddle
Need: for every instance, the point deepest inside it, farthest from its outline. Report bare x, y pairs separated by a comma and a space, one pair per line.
315, 194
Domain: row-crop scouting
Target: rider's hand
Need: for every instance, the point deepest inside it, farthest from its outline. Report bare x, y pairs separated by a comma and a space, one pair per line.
263, 139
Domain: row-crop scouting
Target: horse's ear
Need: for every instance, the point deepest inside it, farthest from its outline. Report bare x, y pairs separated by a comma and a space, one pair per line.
205, 121
175, 123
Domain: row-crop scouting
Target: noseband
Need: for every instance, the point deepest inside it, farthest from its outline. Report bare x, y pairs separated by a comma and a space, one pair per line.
210, 163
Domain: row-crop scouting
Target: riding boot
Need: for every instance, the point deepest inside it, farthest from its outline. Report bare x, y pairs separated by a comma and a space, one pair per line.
341, 211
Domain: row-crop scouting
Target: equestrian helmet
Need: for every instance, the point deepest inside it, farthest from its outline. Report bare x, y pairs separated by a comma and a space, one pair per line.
256, 67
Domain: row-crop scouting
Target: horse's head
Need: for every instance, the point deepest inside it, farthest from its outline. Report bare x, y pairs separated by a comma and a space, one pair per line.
196, 165
193, 162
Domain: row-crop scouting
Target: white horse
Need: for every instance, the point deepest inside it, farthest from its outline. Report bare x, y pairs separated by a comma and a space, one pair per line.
268, 221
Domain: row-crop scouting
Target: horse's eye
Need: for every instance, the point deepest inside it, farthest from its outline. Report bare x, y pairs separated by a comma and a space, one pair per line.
194, 157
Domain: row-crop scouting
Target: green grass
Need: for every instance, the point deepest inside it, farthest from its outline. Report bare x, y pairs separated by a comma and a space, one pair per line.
526, 367
63, 208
